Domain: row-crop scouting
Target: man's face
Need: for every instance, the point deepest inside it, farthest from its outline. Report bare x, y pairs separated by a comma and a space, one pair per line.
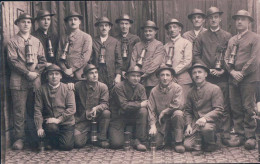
242, 23
174, 30
149, 33
104, 29
25, 25
44, 22
134, 78
197, 20
74, 23
165, 77
214, 20
199, 75
54, 77
92, 75
124, 26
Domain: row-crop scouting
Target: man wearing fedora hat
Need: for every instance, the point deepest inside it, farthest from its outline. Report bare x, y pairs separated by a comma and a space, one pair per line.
197, 18
181, 59
243, 78
106, 54
54, 111
153, 57
44, 34
79, 48
126, 39
209, 49
92, 104
203, 109
26, 57
165, 106
128, 107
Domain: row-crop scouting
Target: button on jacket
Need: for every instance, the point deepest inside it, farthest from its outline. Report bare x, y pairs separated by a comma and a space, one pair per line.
191, 36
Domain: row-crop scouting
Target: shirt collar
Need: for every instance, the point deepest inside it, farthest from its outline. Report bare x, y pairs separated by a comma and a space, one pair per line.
239, 35
54, 87
74, 33
103, 39
165, 89
176, 38
89, 86
201, 85
215, 30
20, 35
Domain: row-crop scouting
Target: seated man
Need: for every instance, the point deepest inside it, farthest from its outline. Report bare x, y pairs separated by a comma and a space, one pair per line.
129, 106
203, 109
54, 111
92, 105
165, 103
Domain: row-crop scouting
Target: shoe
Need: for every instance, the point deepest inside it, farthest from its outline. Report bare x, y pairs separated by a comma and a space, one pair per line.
18, 144
139, 146
104, 144
235, 141
179, 148
210, 147
250, 144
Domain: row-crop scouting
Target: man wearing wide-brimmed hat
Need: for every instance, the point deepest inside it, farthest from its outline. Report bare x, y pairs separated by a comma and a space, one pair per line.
92, 104
43, 33
209, 49
126, 39
165, 107
79, 49
26, 57
244, 73
106, 54
181, 58
203, 109
197, 18
128, 107
152, 58
54, 111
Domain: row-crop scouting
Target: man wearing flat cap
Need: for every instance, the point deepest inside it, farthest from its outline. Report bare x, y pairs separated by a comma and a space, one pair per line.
48, 39
148, 55
54, 111
92, 105
128, 107
26, 57
75, 49
242, 65
203, 109
106, 54
197, 18
165, 106
126, 39
179, 55
209, 49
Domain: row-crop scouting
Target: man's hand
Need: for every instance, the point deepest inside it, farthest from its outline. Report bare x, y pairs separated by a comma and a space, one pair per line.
258, 108
153, 130
53, 120
40, 133
71, 86
144, 103
48, 64
237, 75
123, 74
201, 122
117, 79
93, 112
32, 75
217, 73
162, 114
68, 72
189, 130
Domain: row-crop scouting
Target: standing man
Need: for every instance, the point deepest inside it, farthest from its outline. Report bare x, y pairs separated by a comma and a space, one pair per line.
26, 57
106, 54
243, 75
92, 104
209, 49
203, 109
197, 18
179, 55
129, 107
165, 106
149, 55
75, 47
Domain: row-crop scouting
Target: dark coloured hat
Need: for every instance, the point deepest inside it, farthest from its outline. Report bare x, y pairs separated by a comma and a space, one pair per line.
213, 10
164, 67
73, 14
124, 17
43, 13
23, 16
53, 67
199, 65
151, 24
173, 21
103, 20
134, 69
243, 13
87, 68
196, 12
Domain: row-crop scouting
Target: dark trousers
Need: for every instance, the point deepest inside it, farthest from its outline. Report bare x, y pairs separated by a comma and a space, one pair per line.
243, 109
119, 122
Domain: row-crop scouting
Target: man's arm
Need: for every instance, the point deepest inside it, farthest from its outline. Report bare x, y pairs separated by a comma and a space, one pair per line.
118, 58
104, 95
151, 110
38, 118
41, 59
134, 56
188, 110
60, 51
197, 53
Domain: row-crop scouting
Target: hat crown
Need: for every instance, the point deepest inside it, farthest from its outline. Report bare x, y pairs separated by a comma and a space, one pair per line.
25, 16
173, 21
243, 12
200, 65
72, 13
134, 69
124, 16
213, 10
42, 13
197, 11
88, 68
53, 67
162, 67
103, 19
150, 23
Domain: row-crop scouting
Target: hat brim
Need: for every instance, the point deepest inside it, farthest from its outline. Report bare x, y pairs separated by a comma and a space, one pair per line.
199, 66
127, 73
17, 20
220, 13
250, 18
43, 16
79, 16
96, 24
130, 20
162, 69
178, 23
202, 14
156, 28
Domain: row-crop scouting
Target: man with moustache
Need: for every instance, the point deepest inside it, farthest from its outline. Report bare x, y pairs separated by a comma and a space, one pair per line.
209, 49
153, 56
197, 18
165, 106
106, 54
25, 54
79, 49
92, 104
128, 107
243, 78
127, 40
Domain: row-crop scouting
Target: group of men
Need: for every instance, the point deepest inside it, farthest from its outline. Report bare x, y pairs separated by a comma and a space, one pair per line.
185, 90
